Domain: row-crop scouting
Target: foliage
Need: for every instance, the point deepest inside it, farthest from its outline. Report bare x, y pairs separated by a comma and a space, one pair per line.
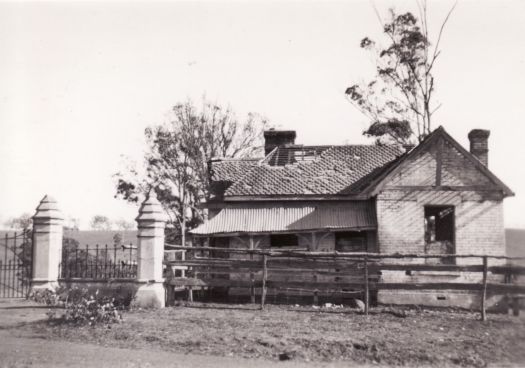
398, 101
23, 222
124, 225
81, 306
176, 163
71, 224
47, 296
117, 239
100, 222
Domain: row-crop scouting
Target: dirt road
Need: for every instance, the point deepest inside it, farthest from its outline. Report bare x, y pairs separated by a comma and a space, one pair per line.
38, 352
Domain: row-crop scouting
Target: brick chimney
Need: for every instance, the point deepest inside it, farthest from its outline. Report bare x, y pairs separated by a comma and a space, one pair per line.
277, 138
479, 144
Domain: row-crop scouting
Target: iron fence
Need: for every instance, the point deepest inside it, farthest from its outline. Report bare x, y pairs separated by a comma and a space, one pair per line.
99, 262
15, 264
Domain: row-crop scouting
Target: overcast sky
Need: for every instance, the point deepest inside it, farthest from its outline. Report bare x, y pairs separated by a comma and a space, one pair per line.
79, 82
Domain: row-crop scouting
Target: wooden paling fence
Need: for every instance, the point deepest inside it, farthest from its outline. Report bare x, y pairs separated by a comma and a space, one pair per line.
351, 273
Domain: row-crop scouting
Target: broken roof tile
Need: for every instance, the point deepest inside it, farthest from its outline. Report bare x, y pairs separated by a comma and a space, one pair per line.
321, 170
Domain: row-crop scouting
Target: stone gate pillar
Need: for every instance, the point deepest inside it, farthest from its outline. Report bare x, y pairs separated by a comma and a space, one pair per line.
151, 222
47, 244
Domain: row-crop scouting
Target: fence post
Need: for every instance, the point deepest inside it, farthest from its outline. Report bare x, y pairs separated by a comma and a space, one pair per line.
47, 244
265, 276
151, 222
367, 291
252, 275
484, 290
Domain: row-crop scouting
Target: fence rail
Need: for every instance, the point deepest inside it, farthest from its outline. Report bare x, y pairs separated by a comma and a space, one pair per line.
99, 263
262, 269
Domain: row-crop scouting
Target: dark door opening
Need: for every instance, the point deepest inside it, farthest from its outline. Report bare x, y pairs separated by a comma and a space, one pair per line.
351, 241
440, 232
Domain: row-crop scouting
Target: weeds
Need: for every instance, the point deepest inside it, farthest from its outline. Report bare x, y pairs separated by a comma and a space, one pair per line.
79, 307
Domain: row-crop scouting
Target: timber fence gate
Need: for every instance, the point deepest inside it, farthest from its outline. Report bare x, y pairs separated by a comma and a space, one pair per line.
336, 272
98, 263
16, 252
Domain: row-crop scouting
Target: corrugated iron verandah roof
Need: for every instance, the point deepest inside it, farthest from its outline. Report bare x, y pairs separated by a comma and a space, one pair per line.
355, 215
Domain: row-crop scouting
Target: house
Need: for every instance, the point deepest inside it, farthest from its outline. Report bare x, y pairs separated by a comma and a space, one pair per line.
435, 198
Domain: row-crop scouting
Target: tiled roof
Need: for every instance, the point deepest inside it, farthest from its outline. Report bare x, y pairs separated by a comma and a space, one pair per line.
334, 170
231, 169
357, 215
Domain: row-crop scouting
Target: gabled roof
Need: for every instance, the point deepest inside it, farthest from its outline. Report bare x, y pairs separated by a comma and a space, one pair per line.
376, 185
314, 170
350, 171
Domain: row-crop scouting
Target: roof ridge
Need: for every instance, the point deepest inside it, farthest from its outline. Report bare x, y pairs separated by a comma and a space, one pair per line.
341, 145
234, 159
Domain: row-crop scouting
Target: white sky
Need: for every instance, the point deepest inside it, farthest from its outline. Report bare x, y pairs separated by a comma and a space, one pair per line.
79, 82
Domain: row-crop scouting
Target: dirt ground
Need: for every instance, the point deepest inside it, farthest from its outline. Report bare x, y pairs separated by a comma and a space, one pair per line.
305, 334
23, 346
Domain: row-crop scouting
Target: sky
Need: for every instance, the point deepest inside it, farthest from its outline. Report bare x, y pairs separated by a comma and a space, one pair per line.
80, 81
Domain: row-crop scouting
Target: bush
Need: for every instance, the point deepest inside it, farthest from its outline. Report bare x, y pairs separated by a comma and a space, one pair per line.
81, 307
47, 297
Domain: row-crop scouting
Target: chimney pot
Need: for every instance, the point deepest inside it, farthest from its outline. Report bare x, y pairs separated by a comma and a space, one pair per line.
479, 144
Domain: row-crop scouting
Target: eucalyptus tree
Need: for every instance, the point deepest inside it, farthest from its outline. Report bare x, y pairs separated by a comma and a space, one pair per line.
399, 100
177, 157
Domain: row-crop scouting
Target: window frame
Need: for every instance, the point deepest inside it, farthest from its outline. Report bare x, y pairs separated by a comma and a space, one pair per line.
428, 242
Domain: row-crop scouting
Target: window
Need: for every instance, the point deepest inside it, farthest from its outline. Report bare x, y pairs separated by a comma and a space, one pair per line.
439, 231
352, 241
284, 240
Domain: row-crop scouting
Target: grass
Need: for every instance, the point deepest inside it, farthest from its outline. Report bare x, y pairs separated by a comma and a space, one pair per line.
388, 336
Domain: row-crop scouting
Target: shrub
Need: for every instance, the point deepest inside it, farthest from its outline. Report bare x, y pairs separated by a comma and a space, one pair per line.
81, 307
47, 297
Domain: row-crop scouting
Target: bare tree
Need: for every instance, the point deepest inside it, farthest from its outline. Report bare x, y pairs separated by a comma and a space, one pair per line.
177, 159
398, 101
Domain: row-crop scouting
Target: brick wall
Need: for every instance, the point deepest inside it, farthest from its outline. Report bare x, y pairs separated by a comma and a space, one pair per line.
478, 230
478, 221
458, 170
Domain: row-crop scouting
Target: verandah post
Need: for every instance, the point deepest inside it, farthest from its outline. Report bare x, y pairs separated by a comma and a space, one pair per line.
484, 290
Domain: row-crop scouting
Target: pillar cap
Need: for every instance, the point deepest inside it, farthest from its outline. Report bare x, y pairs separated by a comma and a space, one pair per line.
48, 209
151, 210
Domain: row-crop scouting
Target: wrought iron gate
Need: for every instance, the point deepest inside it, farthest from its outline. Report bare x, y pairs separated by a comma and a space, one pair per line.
16, 252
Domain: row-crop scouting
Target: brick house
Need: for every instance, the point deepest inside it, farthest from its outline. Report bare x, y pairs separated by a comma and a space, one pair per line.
435, 198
